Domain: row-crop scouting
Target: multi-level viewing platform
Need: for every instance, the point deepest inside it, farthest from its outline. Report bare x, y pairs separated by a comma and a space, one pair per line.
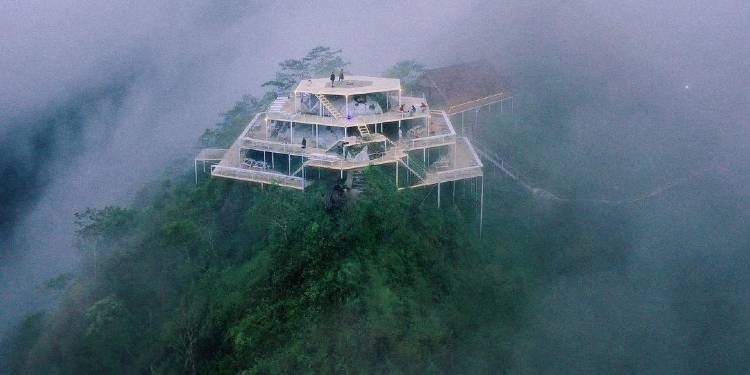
324, 133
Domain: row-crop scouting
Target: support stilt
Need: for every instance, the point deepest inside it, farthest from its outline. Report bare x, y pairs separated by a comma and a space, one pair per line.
481, 208
462, 124
454, 192
438, 195
476, 120
396, 175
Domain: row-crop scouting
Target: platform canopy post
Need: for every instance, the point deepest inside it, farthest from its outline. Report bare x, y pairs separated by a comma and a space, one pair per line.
481, 208
476, 120
396, 174
438, 195
408, 179
462, 124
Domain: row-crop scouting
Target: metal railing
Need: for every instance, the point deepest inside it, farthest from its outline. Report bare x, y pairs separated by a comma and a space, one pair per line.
259, 176
286, 148
456, 174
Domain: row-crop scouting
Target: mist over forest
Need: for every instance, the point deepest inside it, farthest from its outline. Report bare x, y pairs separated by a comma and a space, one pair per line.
631, 115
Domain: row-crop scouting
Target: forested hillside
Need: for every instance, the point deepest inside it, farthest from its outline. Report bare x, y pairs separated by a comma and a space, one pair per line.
227, 277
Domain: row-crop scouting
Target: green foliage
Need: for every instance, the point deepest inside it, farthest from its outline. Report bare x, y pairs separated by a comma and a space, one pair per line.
224, 278
233, 121
320, 61
408, 71
227, 278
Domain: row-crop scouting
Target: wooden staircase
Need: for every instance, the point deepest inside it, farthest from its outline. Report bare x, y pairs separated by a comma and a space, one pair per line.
278, 104
363, 130
329, 106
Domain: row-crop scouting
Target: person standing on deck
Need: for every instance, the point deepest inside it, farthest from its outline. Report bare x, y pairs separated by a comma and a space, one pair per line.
333, 78
341, 75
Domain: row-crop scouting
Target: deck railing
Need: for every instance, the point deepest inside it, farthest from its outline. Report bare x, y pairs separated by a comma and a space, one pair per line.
259, 176
284, 148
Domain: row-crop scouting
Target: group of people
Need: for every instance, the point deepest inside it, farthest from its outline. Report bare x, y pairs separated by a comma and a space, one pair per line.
333, 77
413, 109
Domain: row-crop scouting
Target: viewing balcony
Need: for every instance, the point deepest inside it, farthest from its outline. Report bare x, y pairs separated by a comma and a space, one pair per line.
440, 133
261, 176
465, 164
285, 111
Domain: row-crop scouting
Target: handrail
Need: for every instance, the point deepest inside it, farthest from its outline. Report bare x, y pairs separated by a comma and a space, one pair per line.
499, 95
259, 176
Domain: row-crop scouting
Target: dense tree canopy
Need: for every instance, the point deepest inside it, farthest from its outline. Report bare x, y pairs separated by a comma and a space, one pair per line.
320, 61
408, 71
225, 277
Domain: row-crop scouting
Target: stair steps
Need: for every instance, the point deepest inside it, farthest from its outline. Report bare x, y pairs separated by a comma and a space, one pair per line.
278, 105
329, 106
363, 130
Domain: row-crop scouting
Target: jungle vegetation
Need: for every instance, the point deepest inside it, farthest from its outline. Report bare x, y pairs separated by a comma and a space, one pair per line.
225, 277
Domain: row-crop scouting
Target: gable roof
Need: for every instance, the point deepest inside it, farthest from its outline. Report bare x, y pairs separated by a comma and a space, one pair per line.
458, 85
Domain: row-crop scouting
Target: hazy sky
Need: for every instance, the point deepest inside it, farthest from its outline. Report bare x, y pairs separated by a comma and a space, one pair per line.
149, 77
648, 84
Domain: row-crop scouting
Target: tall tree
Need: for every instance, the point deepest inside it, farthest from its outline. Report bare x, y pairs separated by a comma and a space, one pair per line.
408, 71
319, 61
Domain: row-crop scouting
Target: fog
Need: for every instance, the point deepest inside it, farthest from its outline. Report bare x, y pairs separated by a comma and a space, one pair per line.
649, 90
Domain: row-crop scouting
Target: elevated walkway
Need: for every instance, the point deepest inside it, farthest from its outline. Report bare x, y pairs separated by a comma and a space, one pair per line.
278, 105
390, 156
211, 154
440, 126
480, 102
230, 166
260, 176
286, 113
466, 165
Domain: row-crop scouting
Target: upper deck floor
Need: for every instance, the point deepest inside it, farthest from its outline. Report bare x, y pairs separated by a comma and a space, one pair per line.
351, 85
342, 112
